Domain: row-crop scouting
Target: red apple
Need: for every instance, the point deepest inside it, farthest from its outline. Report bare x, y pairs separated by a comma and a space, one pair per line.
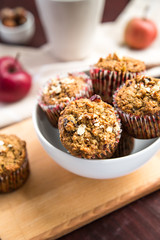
140, 33
15, 83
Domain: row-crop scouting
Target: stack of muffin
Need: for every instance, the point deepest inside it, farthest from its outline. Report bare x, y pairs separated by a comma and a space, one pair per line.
98, 116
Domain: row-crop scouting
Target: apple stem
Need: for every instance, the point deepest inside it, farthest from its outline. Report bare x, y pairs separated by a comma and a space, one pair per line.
12, 68
17, 57
146, 11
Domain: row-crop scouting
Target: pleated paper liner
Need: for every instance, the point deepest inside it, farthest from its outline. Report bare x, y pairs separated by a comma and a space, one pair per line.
105, 82
53, 111
142, 127
13, 180
125, 146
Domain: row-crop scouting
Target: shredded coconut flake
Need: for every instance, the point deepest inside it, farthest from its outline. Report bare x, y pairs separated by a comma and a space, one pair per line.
148, 89
81, 129
10, 145
146, 80
94, 115
67, 99
96, 124
56, 89
117, 127
96, 120
1, 143
67, 80
3, 148
142, 85
156, 88
109, 129
80, 117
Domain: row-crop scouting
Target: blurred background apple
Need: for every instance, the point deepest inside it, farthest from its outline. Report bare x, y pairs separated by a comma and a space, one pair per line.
15, 82
140, 33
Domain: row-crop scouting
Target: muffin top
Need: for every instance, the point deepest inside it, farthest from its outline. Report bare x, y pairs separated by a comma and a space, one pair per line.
65, 89
89, 127
124, 64
12, 153
139, 96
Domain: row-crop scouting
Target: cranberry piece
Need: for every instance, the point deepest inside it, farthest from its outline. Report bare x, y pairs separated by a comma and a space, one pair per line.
95, 98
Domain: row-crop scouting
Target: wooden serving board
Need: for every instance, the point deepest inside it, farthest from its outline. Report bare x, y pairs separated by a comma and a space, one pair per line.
54, 201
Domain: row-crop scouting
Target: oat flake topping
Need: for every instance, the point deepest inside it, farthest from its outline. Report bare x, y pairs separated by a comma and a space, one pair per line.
81, 129
1, 143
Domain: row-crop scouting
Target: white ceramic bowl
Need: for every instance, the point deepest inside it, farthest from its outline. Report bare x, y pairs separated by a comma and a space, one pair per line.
99, 169
20, 34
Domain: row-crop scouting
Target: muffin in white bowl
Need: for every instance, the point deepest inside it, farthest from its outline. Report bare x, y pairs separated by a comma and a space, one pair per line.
92, 168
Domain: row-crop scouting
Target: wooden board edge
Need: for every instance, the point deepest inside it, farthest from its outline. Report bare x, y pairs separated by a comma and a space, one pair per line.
95, 214
10, 126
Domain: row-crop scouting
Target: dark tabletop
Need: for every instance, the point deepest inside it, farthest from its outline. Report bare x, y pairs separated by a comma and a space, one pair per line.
137, 221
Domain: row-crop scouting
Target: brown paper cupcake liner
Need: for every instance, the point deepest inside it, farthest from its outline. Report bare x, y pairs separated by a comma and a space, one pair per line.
125, 146
142, 127
15, 179
105, 82
53, 111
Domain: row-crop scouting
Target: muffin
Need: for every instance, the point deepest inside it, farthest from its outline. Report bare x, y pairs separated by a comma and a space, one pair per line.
89, 128
111, 72
14, 166
125, 145
58, 92
138, 105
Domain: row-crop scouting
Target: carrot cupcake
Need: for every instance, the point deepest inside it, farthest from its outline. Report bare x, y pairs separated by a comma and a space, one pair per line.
110, 72
14, 166
138, 105
58, 92
89, 128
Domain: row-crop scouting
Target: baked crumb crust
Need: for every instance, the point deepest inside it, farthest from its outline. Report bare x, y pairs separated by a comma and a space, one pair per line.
65, 89
139, 96
124, 64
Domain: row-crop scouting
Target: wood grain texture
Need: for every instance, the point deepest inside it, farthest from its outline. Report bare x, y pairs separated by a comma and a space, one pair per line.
54, 201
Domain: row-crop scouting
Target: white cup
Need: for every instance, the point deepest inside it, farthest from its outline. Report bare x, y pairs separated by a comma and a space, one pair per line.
70, 26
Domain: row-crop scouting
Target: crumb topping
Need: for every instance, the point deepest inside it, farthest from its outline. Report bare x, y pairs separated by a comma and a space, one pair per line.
12, 153
124, 64
89, 128
64, 90
140, 96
